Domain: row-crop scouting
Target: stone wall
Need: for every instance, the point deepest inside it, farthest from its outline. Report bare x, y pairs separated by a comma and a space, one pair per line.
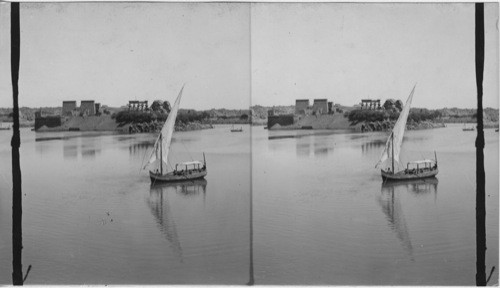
282, 120
49, 121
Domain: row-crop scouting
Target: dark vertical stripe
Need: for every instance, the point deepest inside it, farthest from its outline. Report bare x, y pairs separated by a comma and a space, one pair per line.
480, 177
17, 238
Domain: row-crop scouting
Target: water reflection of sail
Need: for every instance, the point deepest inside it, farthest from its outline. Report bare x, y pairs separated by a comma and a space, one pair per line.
391, 206
160, 208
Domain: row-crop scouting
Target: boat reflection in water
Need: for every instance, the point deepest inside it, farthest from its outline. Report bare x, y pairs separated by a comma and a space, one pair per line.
158, 202
391, 206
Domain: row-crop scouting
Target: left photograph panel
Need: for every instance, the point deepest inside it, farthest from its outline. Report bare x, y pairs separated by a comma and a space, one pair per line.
135, 143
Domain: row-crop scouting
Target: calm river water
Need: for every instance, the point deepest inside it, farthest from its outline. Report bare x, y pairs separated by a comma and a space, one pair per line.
320, 212
91, 217
322, 215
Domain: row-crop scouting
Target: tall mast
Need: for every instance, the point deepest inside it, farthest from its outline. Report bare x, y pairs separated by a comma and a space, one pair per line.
392, 153
161, 156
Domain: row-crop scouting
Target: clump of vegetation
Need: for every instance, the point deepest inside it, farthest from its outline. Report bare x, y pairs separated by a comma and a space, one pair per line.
161, 106
419, 115
192, 116
416, 115
391, 104
356, 116
126, 117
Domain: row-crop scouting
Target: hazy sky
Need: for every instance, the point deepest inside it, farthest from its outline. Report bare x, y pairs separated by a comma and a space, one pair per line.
115, 52
346, 52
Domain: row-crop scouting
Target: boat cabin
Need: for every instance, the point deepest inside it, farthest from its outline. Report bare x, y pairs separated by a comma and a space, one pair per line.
189, 167
420, 166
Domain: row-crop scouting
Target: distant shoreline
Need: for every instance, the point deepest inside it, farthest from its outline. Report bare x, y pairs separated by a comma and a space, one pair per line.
255, 115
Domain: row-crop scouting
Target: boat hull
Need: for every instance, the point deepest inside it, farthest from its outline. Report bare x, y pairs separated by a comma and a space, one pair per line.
170, 177
402, 176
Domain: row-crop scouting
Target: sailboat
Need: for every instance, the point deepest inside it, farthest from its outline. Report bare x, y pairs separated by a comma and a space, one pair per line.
158, 160
471, 128
236, 129
2, 127
414, 170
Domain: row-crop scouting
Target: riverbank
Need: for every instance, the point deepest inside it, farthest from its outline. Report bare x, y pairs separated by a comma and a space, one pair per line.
388, 125
106, 123
155, 127
88, 123
340, 122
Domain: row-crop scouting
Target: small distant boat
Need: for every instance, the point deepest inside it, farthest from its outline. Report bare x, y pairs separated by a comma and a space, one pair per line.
236, 129
265, 127
2, 127
186, 171
471, 128
415, 169
496, 130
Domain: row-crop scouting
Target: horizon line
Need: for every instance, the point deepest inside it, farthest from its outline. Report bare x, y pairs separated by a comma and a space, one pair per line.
249, 107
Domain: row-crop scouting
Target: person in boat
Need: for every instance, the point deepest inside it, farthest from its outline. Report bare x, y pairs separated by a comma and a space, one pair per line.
388, 169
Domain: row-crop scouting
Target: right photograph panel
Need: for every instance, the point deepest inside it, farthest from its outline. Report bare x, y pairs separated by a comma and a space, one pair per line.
364, 162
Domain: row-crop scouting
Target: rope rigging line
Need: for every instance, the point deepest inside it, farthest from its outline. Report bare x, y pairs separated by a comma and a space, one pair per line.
142, 162
190, 156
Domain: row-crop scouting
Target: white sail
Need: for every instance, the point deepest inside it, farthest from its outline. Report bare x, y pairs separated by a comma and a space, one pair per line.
162, 145
397, 134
